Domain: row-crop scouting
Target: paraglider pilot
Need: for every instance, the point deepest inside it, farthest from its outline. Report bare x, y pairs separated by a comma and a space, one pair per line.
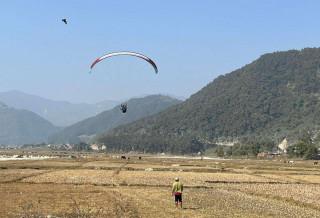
123, 108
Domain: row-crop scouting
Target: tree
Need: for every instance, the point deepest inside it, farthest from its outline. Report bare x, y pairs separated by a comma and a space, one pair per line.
290, 151
219, 151
229, 151
301, 148
311, 153
254, 149
305, 136
82, 146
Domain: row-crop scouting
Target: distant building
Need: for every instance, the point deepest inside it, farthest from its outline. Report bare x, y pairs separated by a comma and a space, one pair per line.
284, 145
275, 154
96, 147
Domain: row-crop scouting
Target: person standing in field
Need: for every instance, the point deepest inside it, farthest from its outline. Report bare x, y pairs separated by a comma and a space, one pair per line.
177, 189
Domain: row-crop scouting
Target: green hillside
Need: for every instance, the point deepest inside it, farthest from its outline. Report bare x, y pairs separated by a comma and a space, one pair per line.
22, 127
274, 97
137, 108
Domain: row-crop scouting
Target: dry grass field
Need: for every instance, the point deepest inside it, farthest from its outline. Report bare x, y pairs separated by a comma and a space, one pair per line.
101, 186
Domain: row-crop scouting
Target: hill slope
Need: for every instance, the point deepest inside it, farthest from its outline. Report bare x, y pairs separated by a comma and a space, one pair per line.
3, 105
274, 96
23, 127
60, 113
137, 108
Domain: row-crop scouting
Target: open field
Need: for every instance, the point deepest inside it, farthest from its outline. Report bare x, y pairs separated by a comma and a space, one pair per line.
106, 186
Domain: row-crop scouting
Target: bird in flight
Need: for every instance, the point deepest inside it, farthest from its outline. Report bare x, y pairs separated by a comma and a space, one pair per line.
64, 20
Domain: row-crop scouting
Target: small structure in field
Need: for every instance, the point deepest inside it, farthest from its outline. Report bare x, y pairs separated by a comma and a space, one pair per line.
284, 145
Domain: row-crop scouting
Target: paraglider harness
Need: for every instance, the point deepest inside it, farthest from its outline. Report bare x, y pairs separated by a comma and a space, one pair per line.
123, 108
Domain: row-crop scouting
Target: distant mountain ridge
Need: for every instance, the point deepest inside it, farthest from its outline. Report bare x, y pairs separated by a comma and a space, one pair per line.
137, 108
22, 127
274, 97
3, 105
60, 113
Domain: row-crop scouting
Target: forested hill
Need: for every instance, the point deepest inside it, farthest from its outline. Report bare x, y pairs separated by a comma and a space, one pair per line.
137, 108
23, 127
273, 97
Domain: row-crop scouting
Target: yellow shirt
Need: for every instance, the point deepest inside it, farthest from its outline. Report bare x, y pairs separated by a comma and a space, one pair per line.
177, 187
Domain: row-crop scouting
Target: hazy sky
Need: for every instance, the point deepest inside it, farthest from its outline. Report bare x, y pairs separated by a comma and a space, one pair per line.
191, 41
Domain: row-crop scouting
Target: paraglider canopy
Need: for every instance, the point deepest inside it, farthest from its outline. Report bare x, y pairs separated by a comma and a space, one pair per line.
125, 53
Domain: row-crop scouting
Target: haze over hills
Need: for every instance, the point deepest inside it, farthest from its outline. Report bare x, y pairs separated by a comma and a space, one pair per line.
137, 108
274, 97
18, 126
3, 105
60, 113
